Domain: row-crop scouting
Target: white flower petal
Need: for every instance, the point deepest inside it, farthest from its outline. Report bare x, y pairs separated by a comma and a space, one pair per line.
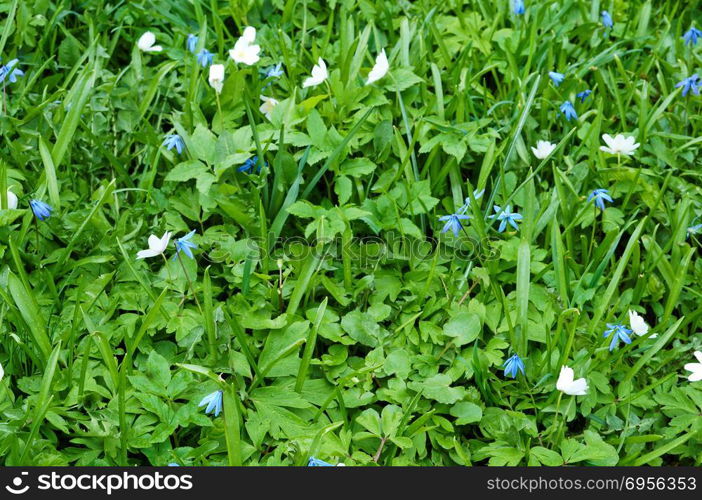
543, 149
249, 34
268, 104
619, 145
251, 56
156, 246
319, 74
696, 370
143, 254
216, 77
146, 43
567, 385
163, 242
244, 52
565, 378
11, 200
154, 241
380, 68
577, 388
637, 323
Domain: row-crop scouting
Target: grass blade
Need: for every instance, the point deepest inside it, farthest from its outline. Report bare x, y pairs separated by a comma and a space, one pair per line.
309, 346
32, 315
232, 425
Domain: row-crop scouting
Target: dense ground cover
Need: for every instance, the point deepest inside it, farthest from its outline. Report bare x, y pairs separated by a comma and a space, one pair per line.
380, 272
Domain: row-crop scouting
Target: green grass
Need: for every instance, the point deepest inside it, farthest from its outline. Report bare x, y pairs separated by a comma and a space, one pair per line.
324, 301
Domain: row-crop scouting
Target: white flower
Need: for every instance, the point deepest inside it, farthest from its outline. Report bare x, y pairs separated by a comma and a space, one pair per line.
244, 50
695, 368
380, 69
619, 145
543, 149
319, 74
216, 78
568, 385
2, 372
268, 104
146, 43
638, 325
11, 200
156, 246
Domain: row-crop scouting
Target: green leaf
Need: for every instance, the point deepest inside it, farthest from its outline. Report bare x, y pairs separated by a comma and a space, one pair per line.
539, 455
158, 369
438, 388
370, 420
401, 79
466, 413
189, 170
390, 419
398, 363
342, 188
464, 328
362, 328
202, 145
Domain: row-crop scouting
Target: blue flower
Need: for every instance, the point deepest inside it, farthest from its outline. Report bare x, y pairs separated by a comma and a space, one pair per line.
618, 332
213, 402
688, 84
184, 244
205, 57
513, 365
10, 72
453, 222
275, 71
315, 462
693, 230
583, 95
251, 163
568, 110
506, 216
192, 42
691, 36
557, 78
466, 206
518, 6
173, 141
41, 210
607, 19
600, 196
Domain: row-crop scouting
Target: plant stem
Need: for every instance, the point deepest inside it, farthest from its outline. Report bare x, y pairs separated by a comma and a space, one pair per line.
592, 237
219, 110
565, 416
36, 232
190, 283
555, 417
165, 261
376, 457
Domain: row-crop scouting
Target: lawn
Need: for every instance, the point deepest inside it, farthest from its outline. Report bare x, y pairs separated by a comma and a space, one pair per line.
360, 232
